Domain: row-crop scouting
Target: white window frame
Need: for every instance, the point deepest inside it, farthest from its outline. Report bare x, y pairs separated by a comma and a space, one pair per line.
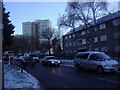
102, 26
84, 41
103, 38
95, 39
83, 32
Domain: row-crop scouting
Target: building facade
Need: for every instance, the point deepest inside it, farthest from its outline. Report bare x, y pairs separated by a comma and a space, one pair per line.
27, 28
43, 26
105, 36
35, 30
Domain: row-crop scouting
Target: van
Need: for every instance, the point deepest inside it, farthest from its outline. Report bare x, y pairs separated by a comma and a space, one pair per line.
95, 60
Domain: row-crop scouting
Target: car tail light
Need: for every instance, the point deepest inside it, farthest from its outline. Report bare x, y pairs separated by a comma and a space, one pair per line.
33, 60
24, 61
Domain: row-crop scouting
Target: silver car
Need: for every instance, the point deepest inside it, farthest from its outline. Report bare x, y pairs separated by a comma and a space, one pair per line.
50, 60
98, 61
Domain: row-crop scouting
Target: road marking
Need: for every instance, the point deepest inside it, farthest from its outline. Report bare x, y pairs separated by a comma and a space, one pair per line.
111, 81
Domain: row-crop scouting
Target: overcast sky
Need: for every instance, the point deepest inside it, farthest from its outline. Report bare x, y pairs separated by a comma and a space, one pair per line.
31, 11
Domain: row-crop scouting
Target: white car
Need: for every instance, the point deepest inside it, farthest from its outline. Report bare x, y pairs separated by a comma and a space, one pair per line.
98, 61
50, 60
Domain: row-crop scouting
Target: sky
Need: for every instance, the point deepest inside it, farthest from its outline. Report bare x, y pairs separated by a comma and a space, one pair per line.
31, 11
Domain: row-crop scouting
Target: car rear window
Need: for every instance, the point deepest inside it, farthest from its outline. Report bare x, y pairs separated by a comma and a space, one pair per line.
82, 56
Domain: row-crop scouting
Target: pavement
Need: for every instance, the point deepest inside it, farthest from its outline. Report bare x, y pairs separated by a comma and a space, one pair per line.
13, 78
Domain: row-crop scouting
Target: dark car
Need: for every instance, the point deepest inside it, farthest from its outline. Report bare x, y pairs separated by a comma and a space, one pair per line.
24, 61
35, 58
5, 59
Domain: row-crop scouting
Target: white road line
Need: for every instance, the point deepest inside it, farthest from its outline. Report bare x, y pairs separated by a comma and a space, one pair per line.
111, 81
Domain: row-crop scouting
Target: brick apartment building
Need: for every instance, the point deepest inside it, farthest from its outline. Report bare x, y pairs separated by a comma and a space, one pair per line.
105, 36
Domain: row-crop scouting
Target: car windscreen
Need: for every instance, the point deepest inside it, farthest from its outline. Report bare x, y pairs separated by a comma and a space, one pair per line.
102, 56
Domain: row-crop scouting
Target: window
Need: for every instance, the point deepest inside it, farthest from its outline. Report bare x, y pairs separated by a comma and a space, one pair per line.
83, 32
83, 41
104, 49
70, 44
103, 37
94, 57
78, 43
94, 29
88, 31
102, 26
66, 45
69, 36
117, 35
74, 43
116, 22
82, 56
117, 48
66, 37
96, 49
73, 35
95, 39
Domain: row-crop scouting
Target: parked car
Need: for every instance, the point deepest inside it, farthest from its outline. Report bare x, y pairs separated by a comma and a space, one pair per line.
50, 60
98, 61
5, 58
35, 59
24, 61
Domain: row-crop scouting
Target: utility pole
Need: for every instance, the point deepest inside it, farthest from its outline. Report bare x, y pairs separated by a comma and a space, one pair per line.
1, 27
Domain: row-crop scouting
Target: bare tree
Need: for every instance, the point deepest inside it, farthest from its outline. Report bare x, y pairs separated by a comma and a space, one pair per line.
85, 13
56, 42
47, 37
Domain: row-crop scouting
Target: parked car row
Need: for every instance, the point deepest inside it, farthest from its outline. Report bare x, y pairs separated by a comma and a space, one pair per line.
93, 60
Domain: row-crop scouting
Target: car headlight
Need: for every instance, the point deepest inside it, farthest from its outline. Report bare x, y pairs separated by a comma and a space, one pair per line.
52, 62
58, 61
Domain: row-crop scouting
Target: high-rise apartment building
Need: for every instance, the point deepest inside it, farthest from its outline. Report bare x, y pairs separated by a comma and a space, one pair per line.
36, 30
43, 26
27, 28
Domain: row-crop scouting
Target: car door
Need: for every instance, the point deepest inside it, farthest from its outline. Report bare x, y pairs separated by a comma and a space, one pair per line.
93, 61
83, 60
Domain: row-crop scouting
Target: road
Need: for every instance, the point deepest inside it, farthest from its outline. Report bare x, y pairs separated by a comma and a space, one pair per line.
67, 77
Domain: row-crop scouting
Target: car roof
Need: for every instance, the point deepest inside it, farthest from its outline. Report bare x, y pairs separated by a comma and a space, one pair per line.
89, 52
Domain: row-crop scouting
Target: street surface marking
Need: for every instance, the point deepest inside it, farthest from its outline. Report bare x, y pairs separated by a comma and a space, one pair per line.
111, 81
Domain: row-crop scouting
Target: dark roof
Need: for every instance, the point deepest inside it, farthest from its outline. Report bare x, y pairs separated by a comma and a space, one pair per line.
101, 20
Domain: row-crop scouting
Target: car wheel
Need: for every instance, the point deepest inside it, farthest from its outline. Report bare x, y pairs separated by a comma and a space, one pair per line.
77, 67
100, 70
